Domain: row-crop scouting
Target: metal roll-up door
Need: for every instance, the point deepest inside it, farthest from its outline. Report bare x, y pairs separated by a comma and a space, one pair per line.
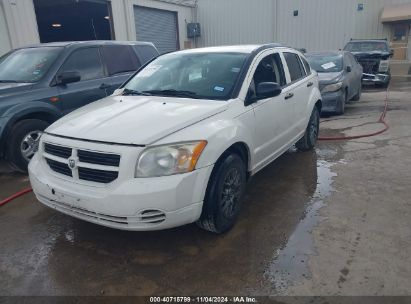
157, 26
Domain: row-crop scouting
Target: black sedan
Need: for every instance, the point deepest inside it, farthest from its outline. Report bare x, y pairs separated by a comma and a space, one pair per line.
340, 78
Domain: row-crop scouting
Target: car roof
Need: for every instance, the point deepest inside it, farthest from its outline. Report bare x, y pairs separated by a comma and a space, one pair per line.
368, 40
246, 49
325, 53
87, 43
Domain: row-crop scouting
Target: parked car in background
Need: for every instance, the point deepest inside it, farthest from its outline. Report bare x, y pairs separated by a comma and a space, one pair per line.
373, 55
41, 83
177, 143
340, 78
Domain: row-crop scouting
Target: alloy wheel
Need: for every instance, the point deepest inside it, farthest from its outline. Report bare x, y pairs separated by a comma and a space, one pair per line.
231, 192
30, 144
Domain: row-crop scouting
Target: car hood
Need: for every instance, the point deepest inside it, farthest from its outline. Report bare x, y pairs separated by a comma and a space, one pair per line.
11, 87
373, 54
332, 77
136, 120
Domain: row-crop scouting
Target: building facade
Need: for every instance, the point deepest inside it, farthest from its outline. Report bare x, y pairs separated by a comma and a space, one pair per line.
310, 24
24, 22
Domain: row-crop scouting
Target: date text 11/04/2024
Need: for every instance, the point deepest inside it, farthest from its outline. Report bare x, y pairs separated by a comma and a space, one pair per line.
203, 300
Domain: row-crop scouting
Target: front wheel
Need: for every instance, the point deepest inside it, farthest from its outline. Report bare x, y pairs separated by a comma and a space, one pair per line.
310, 137
357, 96
223, 196
24, 141
341, 104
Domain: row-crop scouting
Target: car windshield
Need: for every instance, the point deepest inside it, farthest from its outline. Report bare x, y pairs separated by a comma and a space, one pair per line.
326, 63
27, 65
191, 75
364, 46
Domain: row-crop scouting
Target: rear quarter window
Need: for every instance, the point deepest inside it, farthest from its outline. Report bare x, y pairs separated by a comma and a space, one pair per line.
306, 65
145, 52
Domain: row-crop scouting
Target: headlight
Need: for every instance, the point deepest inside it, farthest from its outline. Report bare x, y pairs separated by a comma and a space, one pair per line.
384, 66
169, 159
332, 87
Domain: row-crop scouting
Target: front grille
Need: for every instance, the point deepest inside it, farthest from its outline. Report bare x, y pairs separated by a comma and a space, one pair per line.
98, 158
59, 167
59, 151
369, 66
98, 176
81, 164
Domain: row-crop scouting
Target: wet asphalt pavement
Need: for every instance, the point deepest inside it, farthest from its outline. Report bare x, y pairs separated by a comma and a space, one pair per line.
280, 246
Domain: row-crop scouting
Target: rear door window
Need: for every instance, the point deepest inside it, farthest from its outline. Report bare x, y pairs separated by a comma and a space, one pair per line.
87, 62
145, 52
120, 59
295, 66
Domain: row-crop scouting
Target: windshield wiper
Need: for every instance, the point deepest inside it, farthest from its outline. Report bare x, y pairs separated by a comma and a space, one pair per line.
8, 81
177, 93
134, 92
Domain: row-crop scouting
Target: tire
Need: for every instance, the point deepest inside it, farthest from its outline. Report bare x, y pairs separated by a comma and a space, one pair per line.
23, 142
341, 105
310, 137
220, 212
357, 97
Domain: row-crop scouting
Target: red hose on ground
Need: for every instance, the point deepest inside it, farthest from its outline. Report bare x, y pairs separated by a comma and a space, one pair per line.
381, 120
14, 196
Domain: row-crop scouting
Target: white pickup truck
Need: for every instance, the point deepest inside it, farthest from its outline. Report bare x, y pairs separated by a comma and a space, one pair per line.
177, 142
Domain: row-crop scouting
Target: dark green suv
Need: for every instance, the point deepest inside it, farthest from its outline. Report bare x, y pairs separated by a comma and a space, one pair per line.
41, 83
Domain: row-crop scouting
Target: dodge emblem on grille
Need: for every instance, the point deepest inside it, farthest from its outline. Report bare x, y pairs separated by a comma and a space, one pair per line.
72, 163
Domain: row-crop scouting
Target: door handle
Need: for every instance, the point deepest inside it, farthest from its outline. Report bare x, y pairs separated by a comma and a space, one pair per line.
104, 86
289, 95
310, 84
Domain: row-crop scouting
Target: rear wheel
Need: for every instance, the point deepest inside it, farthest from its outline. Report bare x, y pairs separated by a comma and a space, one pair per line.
309, 140
24, 142
223, 196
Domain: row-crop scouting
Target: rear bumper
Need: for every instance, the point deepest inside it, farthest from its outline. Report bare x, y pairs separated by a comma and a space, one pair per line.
331, 101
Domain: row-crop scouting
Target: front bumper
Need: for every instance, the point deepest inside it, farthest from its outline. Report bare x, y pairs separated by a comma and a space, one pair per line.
138, 204
376, 78
331, 100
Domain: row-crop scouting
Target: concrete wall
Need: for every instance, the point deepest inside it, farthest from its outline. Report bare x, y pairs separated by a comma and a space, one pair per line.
18, 24
236, 21
5, 43
320, 24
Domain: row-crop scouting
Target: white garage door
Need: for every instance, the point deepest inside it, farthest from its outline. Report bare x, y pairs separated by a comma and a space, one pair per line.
157, 26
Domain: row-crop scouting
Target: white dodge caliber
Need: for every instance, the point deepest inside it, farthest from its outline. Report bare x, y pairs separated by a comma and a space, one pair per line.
178, 141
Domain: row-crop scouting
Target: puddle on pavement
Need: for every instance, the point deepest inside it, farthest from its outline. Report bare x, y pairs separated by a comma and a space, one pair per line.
48, 253
290, 263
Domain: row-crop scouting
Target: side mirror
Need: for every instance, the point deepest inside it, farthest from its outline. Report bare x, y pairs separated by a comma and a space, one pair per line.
267, 90
68, 77
349, 69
